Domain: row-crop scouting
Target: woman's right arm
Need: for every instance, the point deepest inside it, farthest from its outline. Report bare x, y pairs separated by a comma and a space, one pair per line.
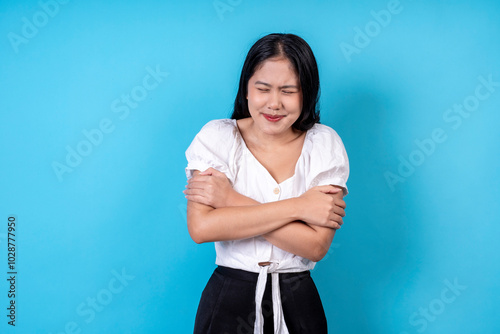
206, 224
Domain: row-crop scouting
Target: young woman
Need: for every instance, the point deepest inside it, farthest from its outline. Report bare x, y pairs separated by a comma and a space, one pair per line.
267, 187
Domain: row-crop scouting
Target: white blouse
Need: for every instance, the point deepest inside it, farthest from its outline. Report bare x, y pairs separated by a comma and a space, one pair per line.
323, 161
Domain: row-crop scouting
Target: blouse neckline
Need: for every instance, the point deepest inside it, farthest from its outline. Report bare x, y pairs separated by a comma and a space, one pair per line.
247, 151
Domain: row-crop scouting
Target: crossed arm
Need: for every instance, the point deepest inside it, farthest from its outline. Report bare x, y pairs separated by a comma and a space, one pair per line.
304, 225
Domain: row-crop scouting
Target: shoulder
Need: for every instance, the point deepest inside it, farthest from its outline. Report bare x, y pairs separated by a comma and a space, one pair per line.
219, 127
213, 146
218, 132
223, 123
328, 161
217, 136
325, 148
324, 137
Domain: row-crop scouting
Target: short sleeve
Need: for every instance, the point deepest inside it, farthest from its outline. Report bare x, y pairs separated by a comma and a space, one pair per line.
328, 159
212, 147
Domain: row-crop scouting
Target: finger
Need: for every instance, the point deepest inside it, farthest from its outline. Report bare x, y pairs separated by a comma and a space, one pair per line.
197, 192
340, 203
200, 178
194, 186
195, 178
210, 171
334, 190
197, 199
335, 225
339, 211
197, 185
328, 189
215, 173
337, 219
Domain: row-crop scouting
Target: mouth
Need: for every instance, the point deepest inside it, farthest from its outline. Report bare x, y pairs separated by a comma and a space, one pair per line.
273, 118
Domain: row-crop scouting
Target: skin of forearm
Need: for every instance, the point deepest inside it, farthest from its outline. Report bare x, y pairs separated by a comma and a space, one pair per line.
310, 242
206, 224
296, 237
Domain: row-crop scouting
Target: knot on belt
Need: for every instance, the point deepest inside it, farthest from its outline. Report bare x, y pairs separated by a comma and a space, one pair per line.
269, 267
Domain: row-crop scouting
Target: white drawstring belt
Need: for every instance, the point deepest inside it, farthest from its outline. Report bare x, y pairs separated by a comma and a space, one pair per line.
279, 321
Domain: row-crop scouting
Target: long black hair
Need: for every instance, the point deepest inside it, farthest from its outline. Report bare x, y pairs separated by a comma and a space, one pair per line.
299, 53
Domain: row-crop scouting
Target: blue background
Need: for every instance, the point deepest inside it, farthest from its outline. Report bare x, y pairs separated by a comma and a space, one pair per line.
121, 208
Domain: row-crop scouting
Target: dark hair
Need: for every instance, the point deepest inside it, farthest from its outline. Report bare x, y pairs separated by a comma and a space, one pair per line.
299, 53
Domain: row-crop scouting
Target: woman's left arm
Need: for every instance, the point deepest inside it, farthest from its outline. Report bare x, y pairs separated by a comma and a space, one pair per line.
311, 242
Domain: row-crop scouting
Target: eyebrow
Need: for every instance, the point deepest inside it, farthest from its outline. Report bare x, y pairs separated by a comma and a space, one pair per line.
268, 85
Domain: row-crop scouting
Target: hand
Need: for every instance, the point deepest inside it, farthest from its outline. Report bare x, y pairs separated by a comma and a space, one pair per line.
210, 187
322, 207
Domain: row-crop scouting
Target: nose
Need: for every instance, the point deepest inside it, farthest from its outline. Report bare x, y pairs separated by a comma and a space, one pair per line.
274, 101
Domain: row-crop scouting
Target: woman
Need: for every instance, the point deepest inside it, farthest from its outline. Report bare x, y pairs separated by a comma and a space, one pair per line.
267, 186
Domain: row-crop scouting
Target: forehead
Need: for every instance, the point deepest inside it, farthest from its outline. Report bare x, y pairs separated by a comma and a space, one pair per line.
275, 69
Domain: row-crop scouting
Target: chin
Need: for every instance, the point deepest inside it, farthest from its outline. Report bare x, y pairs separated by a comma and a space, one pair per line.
275, 128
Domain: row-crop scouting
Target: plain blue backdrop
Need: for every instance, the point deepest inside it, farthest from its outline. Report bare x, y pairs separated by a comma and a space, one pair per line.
99, 101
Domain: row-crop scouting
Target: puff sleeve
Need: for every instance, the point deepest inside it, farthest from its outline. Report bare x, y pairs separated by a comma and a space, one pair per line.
328, 159
212, 147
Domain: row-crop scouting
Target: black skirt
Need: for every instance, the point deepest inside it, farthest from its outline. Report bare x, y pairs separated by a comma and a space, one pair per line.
227, 304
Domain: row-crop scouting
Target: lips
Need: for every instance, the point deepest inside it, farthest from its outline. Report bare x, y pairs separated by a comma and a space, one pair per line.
273, 118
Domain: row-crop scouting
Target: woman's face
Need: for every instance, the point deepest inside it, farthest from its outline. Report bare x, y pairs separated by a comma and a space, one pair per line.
274, 96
